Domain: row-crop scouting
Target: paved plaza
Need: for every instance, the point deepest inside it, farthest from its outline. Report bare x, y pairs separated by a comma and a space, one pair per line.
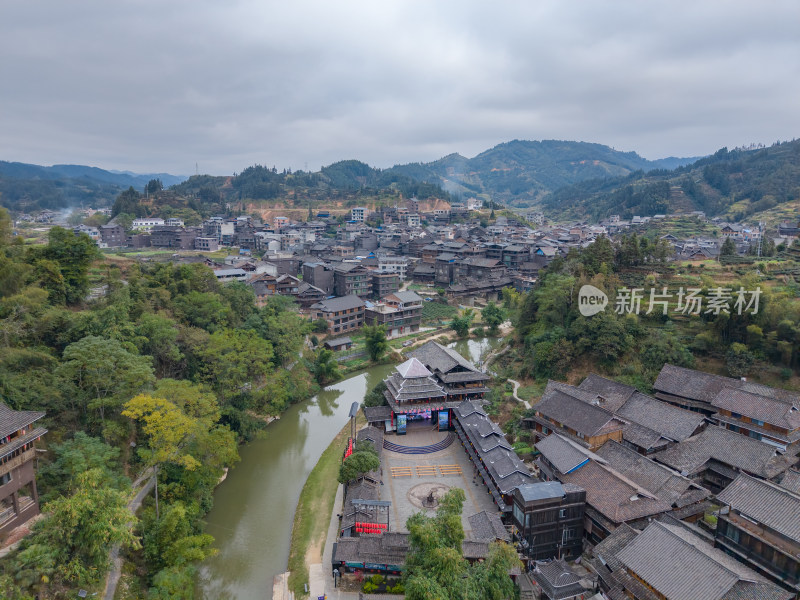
416, 475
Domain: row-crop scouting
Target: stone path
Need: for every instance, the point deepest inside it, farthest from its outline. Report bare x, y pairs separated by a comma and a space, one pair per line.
517, 398
112, 579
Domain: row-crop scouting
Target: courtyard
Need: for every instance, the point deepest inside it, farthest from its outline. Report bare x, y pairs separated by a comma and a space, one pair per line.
409, 480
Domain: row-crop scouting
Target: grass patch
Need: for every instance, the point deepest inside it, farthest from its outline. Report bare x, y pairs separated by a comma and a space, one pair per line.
313, 513
438, 311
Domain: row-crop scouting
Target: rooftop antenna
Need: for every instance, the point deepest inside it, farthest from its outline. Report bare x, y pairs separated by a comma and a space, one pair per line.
196, 170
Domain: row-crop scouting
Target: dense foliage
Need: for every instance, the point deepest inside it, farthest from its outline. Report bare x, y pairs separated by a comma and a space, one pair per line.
738, 184
436, 567
554, 335
167, 359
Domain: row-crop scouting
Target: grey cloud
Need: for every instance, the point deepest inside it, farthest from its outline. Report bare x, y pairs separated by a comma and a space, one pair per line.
149, 85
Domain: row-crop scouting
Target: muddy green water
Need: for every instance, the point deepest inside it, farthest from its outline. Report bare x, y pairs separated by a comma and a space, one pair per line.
254, 507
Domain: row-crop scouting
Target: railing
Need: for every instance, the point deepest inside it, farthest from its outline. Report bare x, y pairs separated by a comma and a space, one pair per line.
7, 515
17, 461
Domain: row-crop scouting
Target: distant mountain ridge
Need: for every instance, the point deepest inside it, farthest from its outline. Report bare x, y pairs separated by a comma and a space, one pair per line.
521, 173
19, 170
738, 184
27, 187
516, 173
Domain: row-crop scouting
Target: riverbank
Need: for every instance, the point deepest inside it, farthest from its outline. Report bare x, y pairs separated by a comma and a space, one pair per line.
312, 515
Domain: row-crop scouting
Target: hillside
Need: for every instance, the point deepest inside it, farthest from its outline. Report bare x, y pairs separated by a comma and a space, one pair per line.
521, 173
517, 173
25, 187
737, 185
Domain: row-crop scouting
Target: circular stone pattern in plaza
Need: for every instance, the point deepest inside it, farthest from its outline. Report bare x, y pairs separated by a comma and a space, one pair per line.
422, 494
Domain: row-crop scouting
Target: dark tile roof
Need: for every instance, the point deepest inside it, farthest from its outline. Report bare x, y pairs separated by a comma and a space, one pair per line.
388, 548
791, 481
755, 406
726, 447
338, 341
339, 303
670, 421
613, 543
374, 435
439, 358
475, 550
644, 437
30, 437
12, 421
487, 526
557, 580
680, 565
615, 393
767, 503
406, 297
655, 478
468, 407
612, 495
377, 413
576, 414
704, 387
409, 389
564, 454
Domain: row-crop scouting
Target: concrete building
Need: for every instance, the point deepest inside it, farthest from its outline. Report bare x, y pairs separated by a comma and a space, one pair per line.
548, 520
342, 314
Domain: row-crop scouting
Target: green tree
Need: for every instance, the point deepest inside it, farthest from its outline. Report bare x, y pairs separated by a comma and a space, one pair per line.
103, 374
463, 322
234, 361
203, 309
157, 336
435, 565
738, 360
74, 254
357, 464
128, 202
168, 431
375, 396
493, 316
153, 186
661, 347
326, 369
375, 338
78, 455
598, 253
728, 248
71, 543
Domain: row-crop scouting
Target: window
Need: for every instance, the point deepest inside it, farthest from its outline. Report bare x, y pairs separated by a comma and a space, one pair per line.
518, 515
757, 422
562, 514
732, 533
5, 478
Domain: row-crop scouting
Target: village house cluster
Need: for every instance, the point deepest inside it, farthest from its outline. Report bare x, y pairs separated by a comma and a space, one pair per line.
693, 492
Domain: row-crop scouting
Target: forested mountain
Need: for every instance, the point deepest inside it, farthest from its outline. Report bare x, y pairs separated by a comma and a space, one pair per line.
519, 173
737, 184
25, 187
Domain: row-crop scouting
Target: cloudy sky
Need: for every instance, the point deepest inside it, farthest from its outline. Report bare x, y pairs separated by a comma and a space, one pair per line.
159, 85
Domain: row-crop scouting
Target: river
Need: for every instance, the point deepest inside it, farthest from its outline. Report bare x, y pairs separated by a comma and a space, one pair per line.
254, 508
